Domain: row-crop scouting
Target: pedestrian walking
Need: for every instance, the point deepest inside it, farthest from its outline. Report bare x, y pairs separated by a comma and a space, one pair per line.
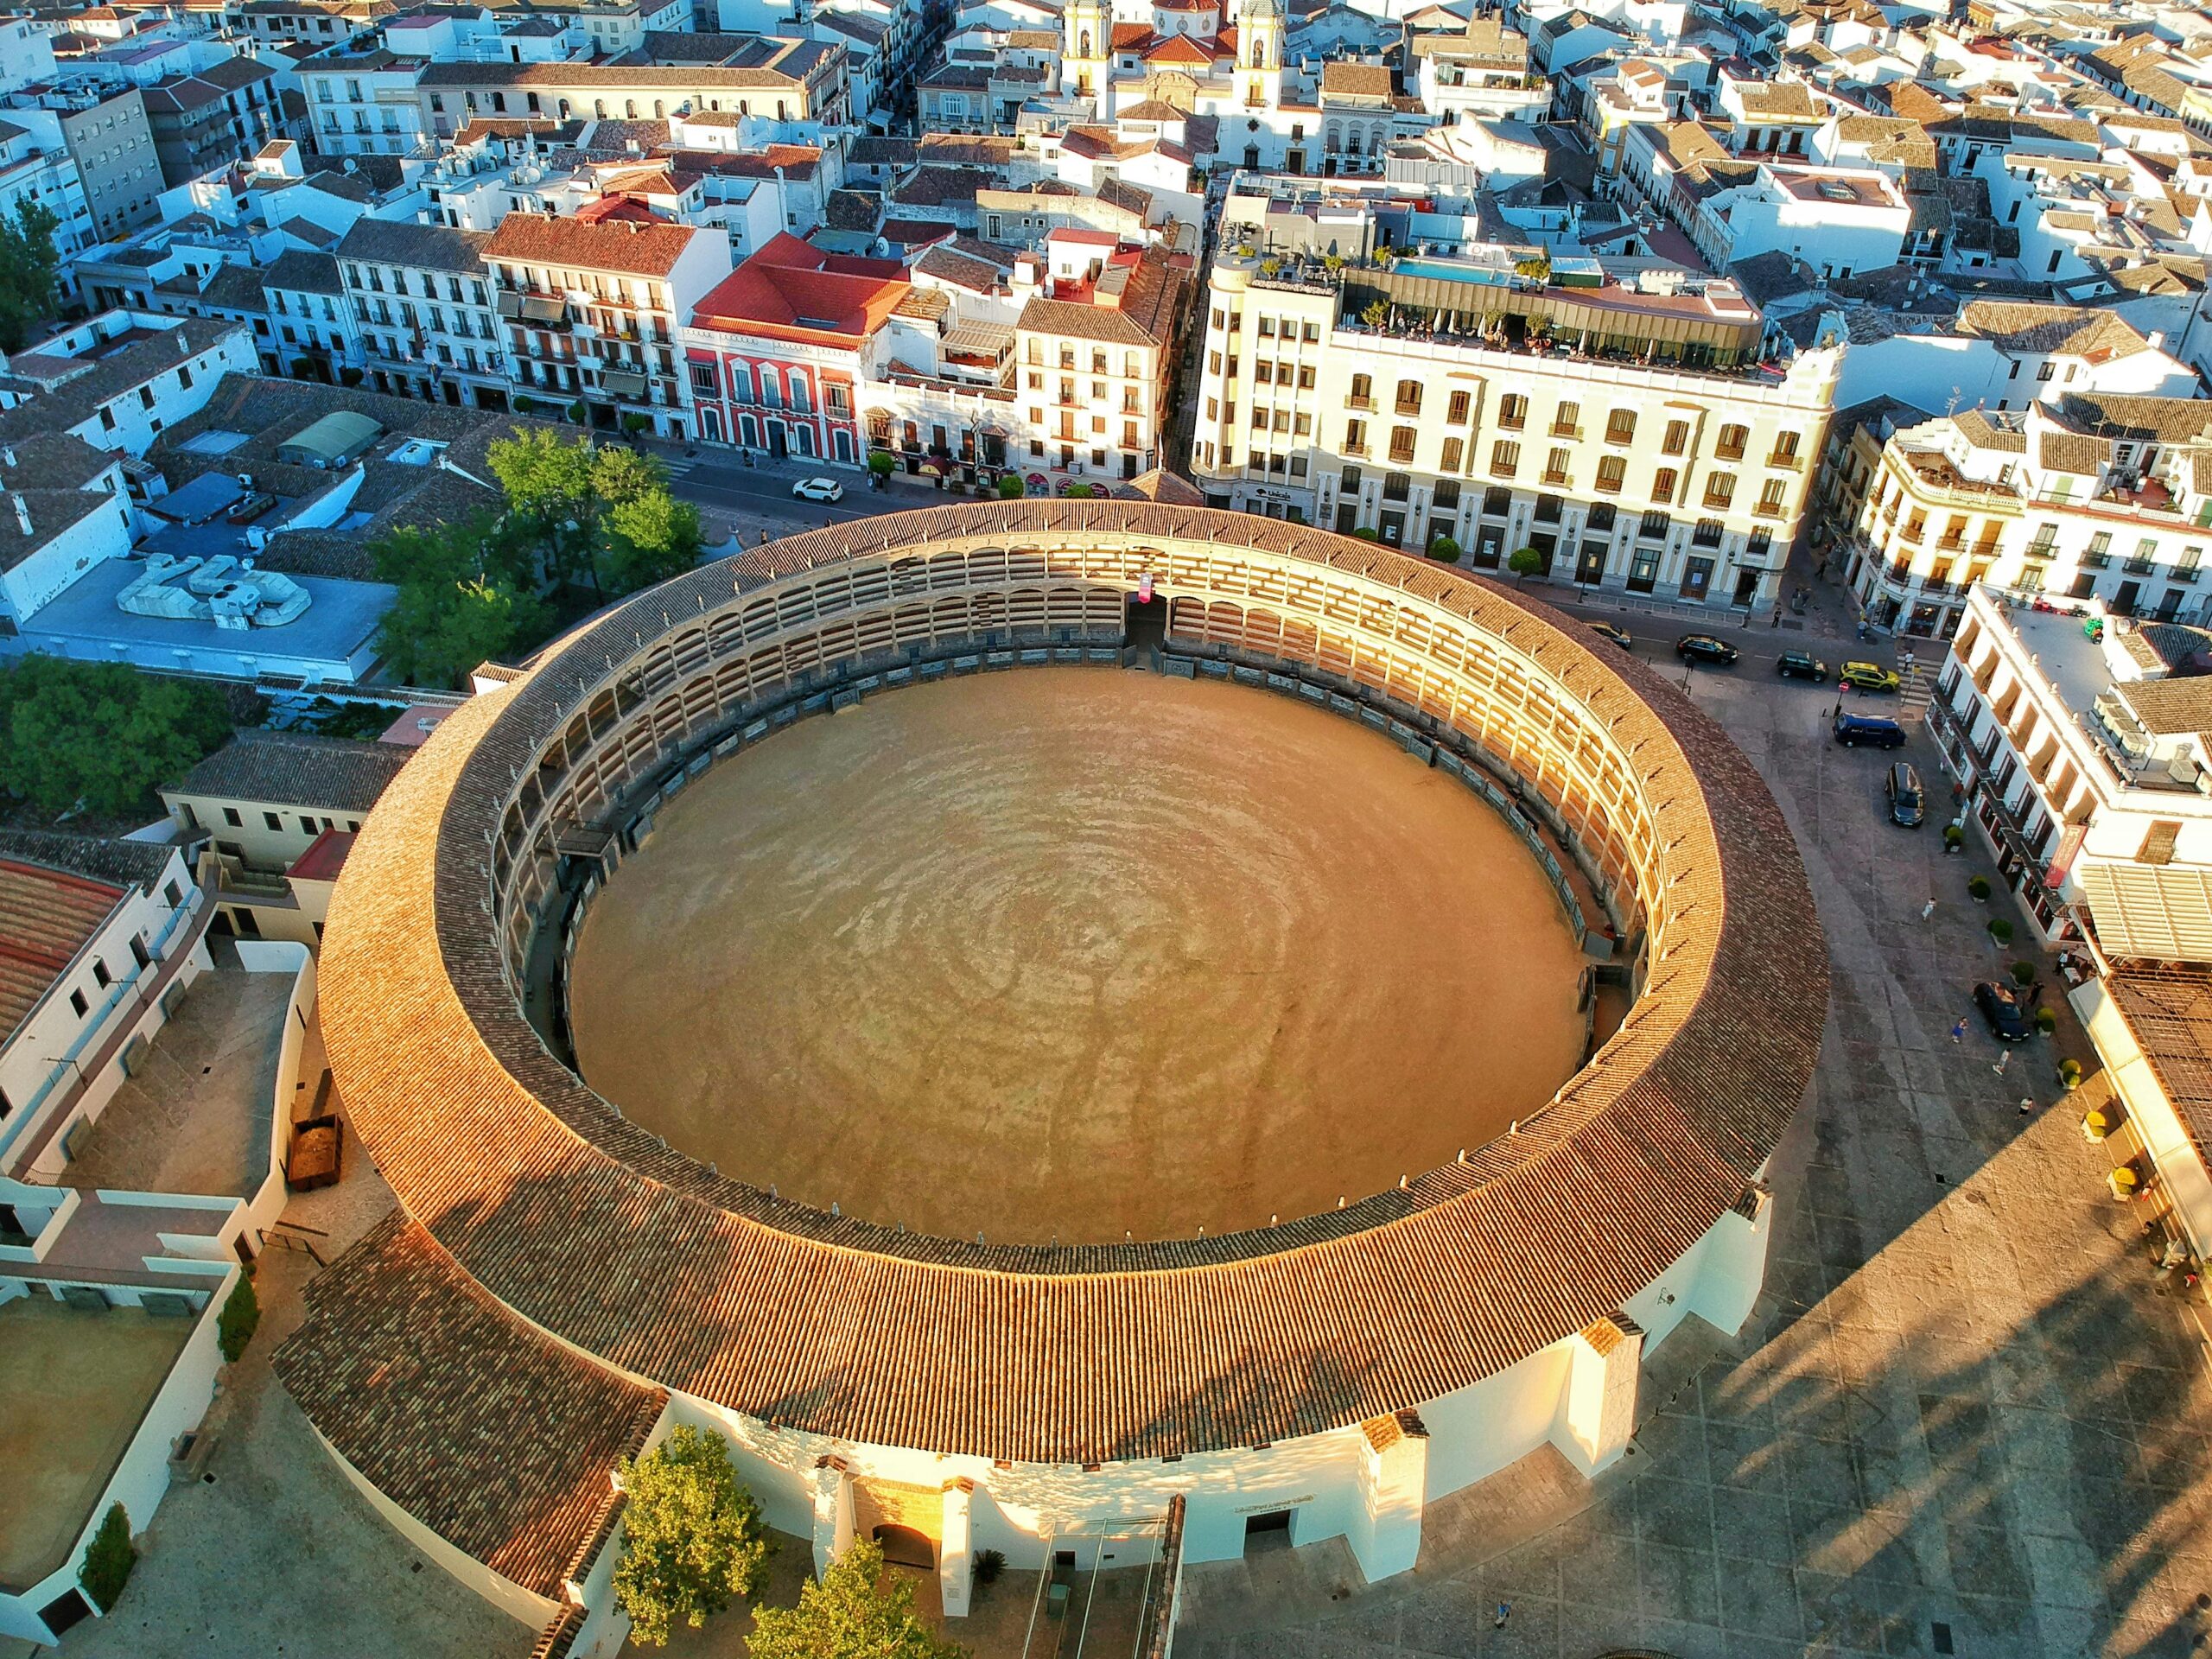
1928, 909
2027, 1107
1504, 1612
1959, 1030
2003, 1060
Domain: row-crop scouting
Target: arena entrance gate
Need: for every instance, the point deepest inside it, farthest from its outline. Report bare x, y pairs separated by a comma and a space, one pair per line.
904, 1546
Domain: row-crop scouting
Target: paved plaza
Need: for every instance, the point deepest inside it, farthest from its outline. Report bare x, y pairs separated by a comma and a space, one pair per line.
1963, 1419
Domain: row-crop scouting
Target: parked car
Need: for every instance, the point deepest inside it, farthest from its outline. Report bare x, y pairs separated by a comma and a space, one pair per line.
818, 489
1704, 648
1867, 677
2004, 1011
1801, 665
1862, 732
1906, 807
1607, 630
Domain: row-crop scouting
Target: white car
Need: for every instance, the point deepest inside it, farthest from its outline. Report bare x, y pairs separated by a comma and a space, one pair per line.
818, 489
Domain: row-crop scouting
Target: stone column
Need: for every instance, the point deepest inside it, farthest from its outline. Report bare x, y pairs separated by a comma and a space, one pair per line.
833, 1512
1600, 1407
955, 1560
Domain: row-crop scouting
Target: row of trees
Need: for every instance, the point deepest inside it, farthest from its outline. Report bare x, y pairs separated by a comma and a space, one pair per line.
583, 523
694, 1541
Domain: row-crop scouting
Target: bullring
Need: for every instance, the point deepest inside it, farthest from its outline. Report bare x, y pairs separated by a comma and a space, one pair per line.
1347, 1367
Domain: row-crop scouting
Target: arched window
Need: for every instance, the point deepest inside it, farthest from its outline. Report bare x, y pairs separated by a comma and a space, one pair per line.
1085, 51
629, 109
598, 109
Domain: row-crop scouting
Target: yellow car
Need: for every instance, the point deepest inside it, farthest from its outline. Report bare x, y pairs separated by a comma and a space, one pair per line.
1867, 677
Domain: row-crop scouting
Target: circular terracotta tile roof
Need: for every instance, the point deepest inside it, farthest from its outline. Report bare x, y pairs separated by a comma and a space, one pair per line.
599, 1233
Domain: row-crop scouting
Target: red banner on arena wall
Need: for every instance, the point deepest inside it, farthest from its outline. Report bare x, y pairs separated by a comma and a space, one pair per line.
2069, 845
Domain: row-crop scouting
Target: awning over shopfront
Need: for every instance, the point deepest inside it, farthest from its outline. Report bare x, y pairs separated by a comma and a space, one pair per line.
621, 383
2162, 912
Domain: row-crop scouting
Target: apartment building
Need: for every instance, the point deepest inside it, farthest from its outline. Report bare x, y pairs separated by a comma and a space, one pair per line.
314, 328
781, 80
592, 306
1628, 435
2078, 737
421, 309
224, 113
1093, 346
2093, 497
113, 144
362, 101
775, 356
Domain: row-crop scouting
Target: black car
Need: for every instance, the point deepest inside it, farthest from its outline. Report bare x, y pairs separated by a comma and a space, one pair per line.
1861, 732
1801, 665
1607, 630
2003, 1011
1704, 648
1906, 807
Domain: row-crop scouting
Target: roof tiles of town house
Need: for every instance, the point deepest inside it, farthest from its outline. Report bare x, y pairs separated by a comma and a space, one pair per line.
874, 150
46, 916
2170, 707
1356, 81
74, 389
106, 859
688, 76
2075, 331
336, 774
632, 248
429, 247
791, 290
941, 187
1981, 432
51, 460
490, 1433
1779, 100
2072, 453
1132, 304
2114, 414
949, 264
295, 270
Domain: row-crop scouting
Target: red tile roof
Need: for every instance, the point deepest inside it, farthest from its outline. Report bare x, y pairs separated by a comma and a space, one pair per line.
595, 1229
791, 290
46, 917
488, 1432
634, 250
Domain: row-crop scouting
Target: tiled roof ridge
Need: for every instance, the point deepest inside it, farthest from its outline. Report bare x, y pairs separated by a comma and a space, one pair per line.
1426, 1289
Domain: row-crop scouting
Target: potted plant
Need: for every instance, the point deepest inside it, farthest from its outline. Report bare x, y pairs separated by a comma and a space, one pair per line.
1271, 266
1955, 839
1978, 886
1009, 487
1443, 549
1376, 315
1367, 533
989, 1563
1525, 562
2046, 1021
2001, 930
2024, 973
2070, 1073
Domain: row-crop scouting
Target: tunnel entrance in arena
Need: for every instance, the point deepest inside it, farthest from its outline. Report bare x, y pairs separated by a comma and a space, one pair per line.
904, 1546
1146, 630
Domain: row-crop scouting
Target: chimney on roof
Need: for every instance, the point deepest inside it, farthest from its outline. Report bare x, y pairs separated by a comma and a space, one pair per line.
22, 513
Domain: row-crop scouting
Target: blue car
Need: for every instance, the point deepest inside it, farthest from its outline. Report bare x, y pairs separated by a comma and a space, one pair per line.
1861, 732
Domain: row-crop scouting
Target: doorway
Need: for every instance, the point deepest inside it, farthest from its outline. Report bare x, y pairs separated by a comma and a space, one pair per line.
904, 1546
1747, 587
2123, 600
1268, 1531
778, 446
1145, 629
1589, 568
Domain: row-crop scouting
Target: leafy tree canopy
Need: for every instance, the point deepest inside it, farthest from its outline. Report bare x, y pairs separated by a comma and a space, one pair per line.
463, 597
100, 736
852, 1613
30, 270
594, 516
693, 1536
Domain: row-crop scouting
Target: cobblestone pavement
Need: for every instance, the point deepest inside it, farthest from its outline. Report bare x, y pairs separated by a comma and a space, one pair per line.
1962, 1418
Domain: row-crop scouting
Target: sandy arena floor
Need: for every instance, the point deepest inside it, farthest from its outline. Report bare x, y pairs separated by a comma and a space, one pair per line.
1073, 952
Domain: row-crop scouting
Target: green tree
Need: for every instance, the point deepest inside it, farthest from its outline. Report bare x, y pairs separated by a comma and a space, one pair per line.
852, 1613
649, 539
550, 497
1444, 548
109, 1559
463, 597
240, 1319
693, 1535
100, 736
1526, 561
882, 462
30, 270
1009, 487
